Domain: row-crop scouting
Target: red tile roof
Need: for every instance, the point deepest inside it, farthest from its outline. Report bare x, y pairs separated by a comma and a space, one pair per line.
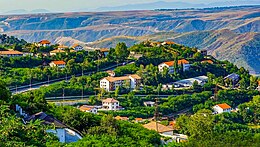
121, 118
75, 45
110, 100
207, 61
45, 42
224, 106
138, 119
59, 62
182, 61
170, 42
10, 52
57, 51
86, 108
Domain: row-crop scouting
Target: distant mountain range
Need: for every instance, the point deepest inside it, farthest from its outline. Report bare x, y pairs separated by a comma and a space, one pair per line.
23, 11
230, 33
177, 5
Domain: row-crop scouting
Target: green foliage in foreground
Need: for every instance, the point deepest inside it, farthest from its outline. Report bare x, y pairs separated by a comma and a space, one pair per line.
14, 133
205, 129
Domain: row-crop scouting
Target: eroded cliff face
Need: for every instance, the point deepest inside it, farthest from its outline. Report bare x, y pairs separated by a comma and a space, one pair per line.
92, 26
228, 33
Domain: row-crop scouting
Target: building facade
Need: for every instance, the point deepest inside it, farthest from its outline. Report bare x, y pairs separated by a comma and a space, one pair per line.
60, 64
170, 65
220, 108
110, 104
111, 83
77, 47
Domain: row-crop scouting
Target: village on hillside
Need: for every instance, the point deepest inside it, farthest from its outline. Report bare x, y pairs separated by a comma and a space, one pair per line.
157, 85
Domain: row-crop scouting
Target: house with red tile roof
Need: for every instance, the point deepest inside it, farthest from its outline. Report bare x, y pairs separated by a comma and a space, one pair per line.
55, 52
110, 83
170, 65
60, 64
110, 104
86, 108
44, 43
220, 108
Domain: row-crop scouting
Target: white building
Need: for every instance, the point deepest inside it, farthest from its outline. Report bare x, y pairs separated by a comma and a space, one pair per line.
110, 104
90, 109
60, 64
62, 47
55, 52
44, 43
220, 108
170, 65
65, 135
186, 82
77, 47
149, 104
110, 83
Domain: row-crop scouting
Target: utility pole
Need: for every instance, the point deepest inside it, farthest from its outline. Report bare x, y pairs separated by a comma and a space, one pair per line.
48, 79
63, 94
82, 72
82, 94
66, 77
216, 93
30, 80
156, 113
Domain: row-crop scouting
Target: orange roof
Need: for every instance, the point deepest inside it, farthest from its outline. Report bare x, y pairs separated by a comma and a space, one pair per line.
110, 100
182, 61
259, 82
121, 118
170, 42
75, 45
57, 51
135, 76
104, 50
224, 106
45, 42
10, 52
138, 119
113, 79
59, 62
207, 61
172, 123
62, 46
161, 128
85, 108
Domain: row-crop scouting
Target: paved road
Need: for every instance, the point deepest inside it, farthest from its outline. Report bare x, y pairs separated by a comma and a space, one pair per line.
34, 86
71, 98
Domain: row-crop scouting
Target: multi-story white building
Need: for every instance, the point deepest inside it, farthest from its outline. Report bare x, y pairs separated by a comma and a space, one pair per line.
170, 65
60, 64
220, 108
110, 104
110, 83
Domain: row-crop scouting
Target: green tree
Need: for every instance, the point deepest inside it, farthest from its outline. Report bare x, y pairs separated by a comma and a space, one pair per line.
121, 51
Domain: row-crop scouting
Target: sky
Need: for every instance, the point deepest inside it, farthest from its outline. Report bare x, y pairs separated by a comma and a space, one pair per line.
77, 5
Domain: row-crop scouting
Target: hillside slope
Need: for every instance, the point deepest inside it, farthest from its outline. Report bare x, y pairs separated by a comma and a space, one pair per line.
241, 49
